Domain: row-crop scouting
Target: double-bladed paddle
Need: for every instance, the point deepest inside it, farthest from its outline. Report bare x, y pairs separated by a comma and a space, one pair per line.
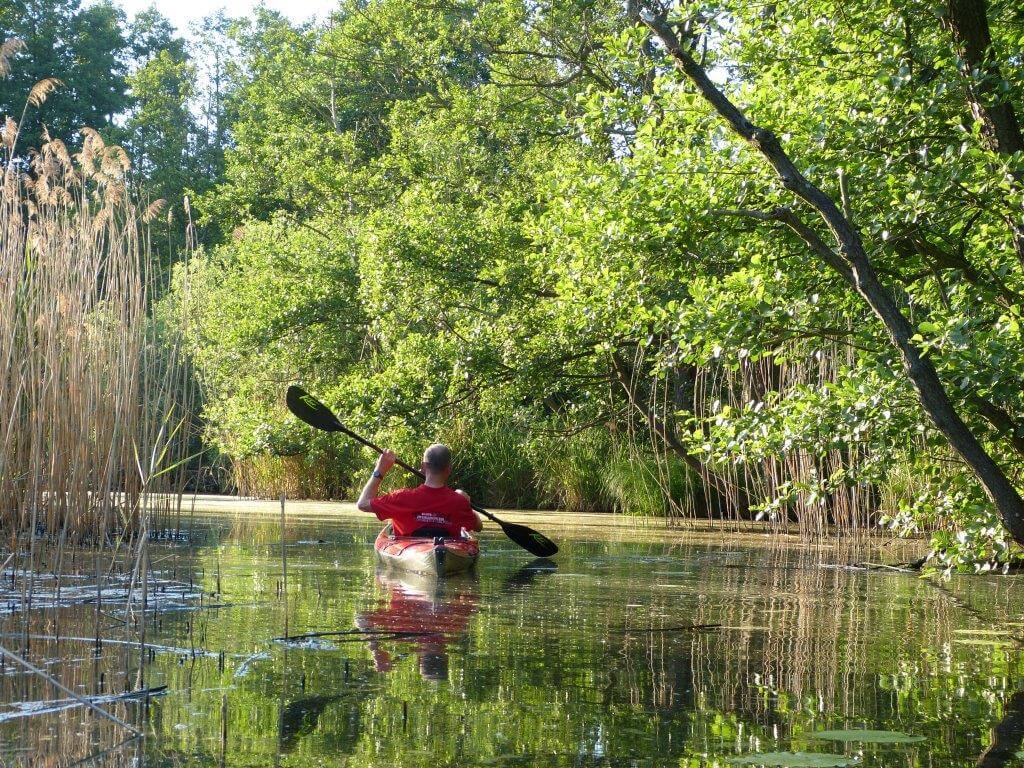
316, 414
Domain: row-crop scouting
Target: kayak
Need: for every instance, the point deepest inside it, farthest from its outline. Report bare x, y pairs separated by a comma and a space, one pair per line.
428, 555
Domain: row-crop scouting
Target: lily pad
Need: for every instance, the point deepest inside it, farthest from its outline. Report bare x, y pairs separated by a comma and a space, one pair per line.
794, 760
869, 737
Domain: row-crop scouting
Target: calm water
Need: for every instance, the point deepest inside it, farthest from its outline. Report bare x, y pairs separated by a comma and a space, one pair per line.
587, 664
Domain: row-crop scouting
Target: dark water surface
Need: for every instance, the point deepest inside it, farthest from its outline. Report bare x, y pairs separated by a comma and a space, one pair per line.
589, 664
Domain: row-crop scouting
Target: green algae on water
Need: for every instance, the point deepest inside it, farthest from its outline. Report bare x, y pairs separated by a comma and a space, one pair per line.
794, 760
868, 737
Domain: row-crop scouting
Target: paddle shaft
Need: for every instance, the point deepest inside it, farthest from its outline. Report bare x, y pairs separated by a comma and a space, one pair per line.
409, 467
316, 414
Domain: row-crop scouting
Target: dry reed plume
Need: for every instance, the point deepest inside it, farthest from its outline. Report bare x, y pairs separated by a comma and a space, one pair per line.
90, 388
94, 397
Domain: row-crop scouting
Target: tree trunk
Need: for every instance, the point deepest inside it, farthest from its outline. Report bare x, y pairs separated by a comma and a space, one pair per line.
1000, 419
968, 21
862, 277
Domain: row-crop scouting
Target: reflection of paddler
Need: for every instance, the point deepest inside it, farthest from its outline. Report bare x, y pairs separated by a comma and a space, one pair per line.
432, 614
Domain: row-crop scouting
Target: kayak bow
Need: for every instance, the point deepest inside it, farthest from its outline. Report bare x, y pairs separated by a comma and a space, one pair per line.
429, 555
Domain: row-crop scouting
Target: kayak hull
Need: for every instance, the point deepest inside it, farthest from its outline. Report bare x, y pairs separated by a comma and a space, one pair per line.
425, 554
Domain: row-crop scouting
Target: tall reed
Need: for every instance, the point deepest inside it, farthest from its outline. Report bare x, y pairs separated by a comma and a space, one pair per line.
93, 395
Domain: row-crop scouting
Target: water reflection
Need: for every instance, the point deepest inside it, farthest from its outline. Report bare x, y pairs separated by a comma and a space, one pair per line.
430, 613
525, 575
626, 653
1006, 736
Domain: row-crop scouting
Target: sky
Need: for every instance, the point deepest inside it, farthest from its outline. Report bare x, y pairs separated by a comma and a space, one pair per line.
182, 12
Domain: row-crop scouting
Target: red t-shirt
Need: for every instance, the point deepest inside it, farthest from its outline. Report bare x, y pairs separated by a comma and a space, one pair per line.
410, 509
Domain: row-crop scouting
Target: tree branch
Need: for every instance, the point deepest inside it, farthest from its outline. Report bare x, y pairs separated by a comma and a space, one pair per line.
918, 368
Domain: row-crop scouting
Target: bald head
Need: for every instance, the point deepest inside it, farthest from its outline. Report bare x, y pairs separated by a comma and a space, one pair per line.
437, 459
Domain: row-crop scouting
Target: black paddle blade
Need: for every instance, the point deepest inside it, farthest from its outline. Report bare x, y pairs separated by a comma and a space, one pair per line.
311, 410
535, 543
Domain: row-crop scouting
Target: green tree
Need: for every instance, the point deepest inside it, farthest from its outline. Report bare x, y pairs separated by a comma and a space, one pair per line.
151, 33
84, 47
549, 226
214, 55
387, 132
172, 148
161, 130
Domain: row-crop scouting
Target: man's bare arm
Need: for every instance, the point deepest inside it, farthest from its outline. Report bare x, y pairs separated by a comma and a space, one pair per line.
384, 462
479, 522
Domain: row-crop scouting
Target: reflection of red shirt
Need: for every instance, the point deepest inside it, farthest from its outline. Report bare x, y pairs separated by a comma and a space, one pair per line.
410, 509
436, 624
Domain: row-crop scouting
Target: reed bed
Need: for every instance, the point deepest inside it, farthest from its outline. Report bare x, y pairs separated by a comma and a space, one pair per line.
93, 393
732, 491
96, 400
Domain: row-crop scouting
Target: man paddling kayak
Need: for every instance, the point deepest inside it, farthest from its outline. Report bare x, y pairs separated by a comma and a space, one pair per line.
431, 509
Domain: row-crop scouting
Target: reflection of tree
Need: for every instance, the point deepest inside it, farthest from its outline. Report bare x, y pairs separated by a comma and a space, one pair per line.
809, 645
558, 668
1007, 735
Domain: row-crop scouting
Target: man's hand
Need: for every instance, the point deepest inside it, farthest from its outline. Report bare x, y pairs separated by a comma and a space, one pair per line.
386, 461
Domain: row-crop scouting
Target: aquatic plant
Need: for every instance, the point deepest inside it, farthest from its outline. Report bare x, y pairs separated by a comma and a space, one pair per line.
95, 400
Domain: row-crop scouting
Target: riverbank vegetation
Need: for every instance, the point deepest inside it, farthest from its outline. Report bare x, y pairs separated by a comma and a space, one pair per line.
91, 382
703, 260
98, 401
